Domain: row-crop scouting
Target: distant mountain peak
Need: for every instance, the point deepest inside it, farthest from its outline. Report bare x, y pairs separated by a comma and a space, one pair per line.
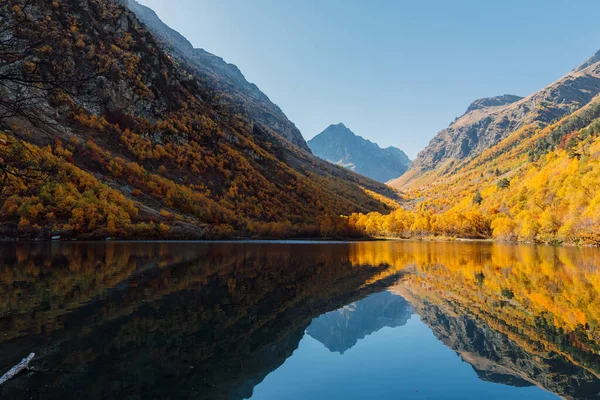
339, 145
338, 129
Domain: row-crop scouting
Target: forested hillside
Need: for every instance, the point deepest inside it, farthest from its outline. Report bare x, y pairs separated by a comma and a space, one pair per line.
537, 185
104, 133
107, 131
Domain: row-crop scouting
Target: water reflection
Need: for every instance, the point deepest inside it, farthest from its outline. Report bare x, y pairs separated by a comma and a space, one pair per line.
341, 329
212, 321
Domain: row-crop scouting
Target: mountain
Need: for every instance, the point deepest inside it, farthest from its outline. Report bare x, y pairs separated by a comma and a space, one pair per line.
341, 146
536, 185
104, 132
341, 329
488, 121
225, 79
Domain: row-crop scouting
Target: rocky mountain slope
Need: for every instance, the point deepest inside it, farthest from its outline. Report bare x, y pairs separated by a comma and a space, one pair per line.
487, 102
488, 121
341, 146
225, 79
104, 133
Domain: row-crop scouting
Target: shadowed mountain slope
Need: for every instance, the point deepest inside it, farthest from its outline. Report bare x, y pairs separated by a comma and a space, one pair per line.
114, 136
226, 80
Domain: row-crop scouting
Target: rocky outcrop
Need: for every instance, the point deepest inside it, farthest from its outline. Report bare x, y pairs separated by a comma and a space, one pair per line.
222, 77
341, 146
487, 102
589, 62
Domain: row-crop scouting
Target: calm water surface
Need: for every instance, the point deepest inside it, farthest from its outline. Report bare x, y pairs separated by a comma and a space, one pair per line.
386, 320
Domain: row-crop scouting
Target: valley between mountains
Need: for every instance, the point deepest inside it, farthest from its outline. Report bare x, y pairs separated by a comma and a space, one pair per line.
113, 125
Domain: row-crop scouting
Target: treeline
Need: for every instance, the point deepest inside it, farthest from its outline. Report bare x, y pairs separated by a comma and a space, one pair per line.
422, 223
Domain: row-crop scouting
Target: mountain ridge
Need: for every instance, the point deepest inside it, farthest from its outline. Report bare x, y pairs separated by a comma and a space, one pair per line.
487, 102
223, 76
481, 128
590, 61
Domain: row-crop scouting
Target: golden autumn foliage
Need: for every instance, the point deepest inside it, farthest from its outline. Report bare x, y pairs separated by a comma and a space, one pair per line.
168, 155
60, 195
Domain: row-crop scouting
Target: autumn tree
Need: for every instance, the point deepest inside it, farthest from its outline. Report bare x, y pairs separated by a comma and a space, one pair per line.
477, 198
503, 183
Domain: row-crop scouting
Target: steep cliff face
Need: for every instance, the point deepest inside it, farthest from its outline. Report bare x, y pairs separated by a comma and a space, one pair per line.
488, 121
222, 77
339, 145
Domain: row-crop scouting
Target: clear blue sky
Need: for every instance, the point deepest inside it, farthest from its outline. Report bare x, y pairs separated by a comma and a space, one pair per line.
393, 71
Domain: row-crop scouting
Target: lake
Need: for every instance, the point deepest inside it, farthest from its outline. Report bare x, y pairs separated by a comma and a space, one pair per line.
294, 320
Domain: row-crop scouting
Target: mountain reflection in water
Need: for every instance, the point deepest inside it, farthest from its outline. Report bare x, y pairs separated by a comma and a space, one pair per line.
240, 320
341, 329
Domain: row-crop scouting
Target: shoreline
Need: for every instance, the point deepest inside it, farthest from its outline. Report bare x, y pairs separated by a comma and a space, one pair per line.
430, 239
443, 239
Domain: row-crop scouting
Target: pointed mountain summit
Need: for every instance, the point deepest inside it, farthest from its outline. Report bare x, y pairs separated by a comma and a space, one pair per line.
341, 146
